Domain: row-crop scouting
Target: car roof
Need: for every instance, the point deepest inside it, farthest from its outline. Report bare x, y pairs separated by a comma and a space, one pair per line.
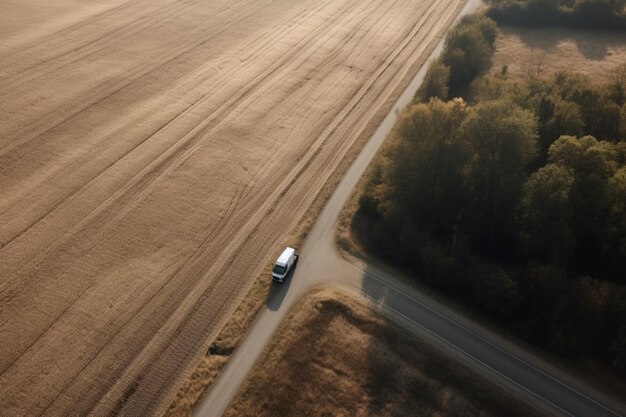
284, 257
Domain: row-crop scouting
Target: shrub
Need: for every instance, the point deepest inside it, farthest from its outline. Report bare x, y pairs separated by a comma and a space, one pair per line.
442, 270
487, 26
435, 84
495, 291
468, 54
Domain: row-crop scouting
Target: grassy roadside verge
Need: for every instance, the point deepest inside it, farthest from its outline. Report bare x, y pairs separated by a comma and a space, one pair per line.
240, 321
334, 355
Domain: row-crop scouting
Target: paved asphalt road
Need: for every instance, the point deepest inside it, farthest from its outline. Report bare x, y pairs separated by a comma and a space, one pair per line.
321, 264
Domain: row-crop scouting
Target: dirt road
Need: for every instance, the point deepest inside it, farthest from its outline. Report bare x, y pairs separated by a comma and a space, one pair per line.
154, 155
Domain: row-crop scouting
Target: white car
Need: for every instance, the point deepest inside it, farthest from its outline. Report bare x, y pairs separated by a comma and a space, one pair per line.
284, 264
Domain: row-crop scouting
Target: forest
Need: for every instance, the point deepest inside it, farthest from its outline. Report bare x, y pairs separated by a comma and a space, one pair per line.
510, 196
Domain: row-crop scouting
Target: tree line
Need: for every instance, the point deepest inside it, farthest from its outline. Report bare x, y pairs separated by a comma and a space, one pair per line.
512, 198
587, 14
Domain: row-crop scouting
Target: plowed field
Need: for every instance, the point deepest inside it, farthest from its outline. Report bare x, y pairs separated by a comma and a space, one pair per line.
154, 155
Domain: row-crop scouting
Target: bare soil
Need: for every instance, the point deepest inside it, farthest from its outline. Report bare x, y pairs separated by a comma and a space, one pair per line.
531, 51
335, 356
154, 157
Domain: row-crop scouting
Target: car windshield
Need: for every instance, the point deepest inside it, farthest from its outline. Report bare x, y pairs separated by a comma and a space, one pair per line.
279, 269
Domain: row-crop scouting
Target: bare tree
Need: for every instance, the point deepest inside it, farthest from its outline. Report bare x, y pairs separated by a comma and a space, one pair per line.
617, 84
534, 66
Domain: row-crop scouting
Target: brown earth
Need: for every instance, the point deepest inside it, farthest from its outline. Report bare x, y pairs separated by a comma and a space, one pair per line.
528, 51
154, 155
335, 356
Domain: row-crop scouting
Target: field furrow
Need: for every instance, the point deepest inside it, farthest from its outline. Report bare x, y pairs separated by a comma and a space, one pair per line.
154, 156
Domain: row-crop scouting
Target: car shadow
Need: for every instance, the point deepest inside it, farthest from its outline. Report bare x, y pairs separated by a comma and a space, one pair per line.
278, 291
